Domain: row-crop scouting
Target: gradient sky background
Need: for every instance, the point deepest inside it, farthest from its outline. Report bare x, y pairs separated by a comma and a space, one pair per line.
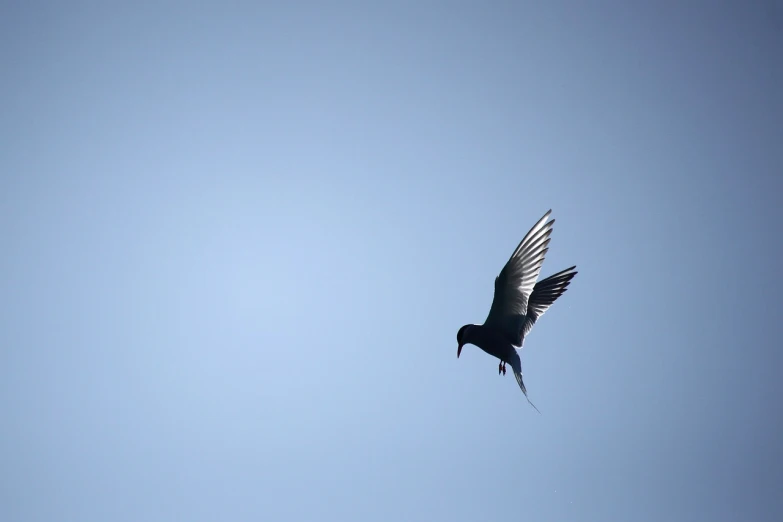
239, 240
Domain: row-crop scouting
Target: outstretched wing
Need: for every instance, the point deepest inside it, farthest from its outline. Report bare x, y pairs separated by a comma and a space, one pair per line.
516, 281
544, 294
516, 366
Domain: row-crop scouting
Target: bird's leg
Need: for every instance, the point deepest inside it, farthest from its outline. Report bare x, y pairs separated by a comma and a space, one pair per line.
500, 367
504, 368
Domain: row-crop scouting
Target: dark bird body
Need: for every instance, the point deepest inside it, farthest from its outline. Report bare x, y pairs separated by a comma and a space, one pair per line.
518, 302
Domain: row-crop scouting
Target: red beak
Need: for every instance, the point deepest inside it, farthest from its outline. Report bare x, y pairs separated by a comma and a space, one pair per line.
459, 349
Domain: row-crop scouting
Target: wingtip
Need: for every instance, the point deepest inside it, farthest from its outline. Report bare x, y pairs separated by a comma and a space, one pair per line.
570, 271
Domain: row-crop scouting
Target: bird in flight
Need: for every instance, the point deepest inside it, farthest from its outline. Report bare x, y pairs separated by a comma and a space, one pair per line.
518, 302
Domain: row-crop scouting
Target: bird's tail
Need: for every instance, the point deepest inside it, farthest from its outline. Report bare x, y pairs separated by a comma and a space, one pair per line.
518, 376
516, 365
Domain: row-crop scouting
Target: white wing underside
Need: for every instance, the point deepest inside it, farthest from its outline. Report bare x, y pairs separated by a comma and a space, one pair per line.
516, 281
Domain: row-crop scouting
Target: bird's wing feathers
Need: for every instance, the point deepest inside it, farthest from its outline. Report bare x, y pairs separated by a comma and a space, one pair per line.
516, 282
516, 366
544, 294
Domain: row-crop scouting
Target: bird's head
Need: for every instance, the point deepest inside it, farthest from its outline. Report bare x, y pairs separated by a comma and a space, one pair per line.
461, 338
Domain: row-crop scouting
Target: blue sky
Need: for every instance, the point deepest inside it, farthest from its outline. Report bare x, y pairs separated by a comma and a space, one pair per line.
240, 238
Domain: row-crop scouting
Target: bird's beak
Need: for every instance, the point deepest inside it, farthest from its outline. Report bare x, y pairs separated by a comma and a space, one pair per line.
459, 349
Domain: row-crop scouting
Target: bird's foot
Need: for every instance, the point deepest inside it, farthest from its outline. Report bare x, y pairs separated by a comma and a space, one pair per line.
500, 368
504, 368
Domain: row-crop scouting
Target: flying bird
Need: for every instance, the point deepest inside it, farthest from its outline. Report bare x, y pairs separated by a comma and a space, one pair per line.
518, 302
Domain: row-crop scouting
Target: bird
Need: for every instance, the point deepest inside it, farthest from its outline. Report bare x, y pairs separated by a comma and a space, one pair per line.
518, 302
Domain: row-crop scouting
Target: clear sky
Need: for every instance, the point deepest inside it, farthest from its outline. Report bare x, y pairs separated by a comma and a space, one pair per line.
239, 238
